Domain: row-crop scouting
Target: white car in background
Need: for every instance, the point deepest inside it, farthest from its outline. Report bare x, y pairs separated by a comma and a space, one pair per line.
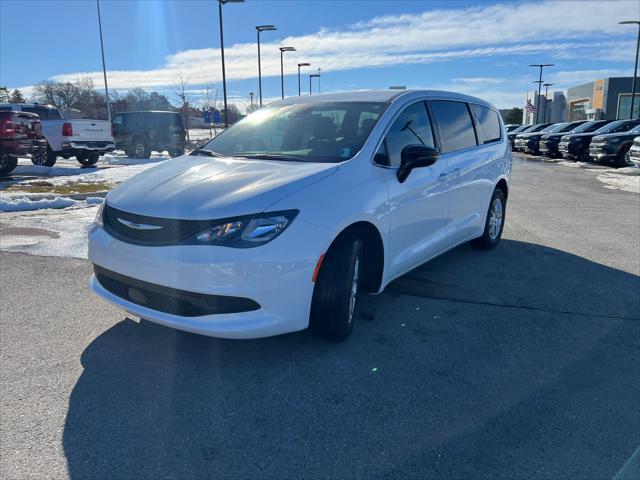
81, 138
279, 222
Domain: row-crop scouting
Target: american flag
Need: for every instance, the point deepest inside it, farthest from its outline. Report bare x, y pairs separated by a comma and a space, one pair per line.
530, 108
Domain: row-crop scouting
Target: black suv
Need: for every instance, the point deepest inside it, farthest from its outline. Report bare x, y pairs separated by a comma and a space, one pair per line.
549, 142
140, 133
575, 146
613, 147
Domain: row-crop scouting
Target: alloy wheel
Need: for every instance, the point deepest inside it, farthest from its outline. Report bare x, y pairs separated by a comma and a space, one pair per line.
495, 219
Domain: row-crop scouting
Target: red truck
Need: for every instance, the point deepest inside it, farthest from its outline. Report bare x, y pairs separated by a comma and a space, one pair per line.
20, 134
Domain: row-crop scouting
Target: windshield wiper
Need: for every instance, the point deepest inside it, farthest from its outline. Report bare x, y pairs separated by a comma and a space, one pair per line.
269, 156
204, 151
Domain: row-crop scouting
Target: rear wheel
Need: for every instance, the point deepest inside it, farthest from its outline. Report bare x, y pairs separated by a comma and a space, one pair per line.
334, 304
88, 159
584, 155
8, 163
176, 152
495, 222
44, 157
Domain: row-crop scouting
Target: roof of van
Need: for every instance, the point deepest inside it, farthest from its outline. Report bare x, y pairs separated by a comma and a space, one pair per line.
389, 95
28, 105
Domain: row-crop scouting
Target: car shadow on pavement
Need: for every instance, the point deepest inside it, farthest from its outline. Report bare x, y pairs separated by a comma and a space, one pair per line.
469, 366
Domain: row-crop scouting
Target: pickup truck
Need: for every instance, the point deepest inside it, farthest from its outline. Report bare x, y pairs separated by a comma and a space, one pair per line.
20, 134
84, 139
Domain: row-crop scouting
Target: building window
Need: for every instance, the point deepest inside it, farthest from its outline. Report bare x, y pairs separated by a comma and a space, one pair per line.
624, 106
578, 110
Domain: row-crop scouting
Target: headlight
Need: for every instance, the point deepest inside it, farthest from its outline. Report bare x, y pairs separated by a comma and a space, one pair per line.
245, 232
98, 220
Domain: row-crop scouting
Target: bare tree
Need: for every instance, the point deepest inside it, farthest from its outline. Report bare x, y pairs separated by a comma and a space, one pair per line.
62, 95
185, 99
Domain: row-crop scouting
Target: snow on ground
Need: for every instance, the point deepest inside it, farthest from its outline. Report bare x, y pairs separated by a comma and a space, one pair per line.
626, 179
50, 233
25, 204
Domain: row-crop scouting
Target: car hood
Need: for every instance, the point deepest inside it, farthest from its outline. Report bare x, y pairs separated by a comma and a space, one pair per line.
198, 187
619, 135
531, 135
553, 136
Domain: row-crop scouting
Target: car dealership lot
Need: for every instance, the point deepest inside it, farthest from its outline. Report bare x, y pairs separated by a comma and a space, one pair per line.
518, 362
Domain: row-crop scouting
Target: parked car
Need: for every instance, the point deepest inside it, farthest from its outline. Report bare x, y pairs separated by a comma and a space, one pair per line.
511, 127
576, 145
511, 136
278, 222
634, 152
613, 148
20, 134
530, 142
84, 139
140, 133
550, 141
534, 128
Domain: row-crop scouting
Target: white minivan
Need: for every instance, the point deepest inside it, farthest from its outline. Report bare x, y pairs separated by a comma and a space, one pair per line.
278, 223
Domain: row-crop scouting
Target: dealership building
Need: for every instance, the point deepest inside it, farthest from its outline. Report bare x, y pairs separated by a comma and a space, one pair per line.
606, 99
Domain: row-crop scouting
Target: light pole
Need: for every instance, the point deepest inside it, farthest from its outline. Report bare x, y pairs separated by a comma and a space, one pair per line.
635, 68
261, 28
224, 76
104, 68
319, 89
546, 99
282, 50
541, 66
301, 65
313, 75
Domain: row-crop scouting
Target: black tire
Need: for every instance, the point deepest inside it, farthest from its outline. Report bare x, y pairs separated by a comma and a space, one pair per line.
141, 148
584, 155
129, 153
45, 158
88, 159
176, 152
334, 305
490, 237
624, 157
8, 163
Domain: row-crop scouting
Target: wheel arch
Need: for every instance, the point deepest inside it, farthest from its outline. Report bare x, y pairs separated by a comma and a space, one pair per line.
373, 252
502, 185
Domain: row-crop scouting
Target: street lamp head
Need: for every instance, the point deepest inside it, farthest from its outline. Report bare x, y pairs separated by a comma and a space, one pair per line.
287, 49
547, 84
314, 75
629, 22
304, 65
264, 28
230, 1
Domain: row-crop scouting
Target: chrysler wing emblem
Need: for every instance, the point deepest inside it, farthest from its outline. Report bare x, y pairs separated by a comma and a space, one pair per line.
138, 226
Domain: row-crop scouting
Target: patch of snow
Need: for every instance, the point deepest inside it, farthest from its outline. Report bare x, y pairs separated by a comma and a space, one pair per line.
49, 233
614, 180
9, 203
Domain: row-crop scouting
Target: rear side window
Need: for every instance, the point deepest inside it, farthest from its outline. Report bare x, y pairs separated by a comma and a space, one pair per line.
487, 124
412, 127
44, 113
117, 120
454, 124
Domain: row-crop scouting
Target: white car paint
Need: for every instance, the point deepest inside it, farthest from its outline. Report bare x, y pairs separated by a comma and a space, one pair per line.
434, 210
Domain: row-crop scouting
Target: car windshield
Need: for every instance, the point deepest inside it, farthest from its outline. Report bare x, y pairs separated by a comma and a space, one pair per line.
538, 128
610, 127
327, 132
520, 129
587, 127
558, 127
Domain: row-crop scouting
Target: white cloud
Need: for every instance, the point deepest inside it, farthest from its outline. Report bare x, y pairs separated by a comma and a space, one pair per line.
557, 29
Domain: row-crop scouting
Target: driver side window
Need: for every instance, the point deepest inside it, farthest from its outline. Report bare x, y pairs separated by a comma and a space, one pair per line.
412, 127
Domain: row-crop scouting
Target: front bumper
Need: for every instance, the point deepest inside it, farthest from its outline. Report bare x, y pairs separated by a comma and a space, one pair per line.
548, 148
87, 147
634, 156
603, 151
569, 150
276, 276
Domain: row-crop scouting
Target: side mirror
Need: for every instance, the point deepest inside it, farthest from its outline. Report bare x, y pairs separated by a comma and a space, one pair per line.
415, 156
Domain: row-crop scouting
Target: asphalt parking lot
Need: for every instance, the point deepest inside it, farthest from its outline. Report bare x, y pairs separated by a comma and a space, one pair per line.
521, 362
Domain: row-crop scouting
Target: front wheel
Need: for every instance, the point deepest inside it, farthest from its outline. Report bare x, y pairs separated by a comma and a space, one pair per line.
334, 304
624, 158
495, 222
8, 163
176, 152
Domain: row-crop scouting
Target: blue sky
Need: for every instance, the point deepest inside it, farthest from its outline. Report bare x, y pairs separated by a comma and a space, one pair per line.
481, 48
